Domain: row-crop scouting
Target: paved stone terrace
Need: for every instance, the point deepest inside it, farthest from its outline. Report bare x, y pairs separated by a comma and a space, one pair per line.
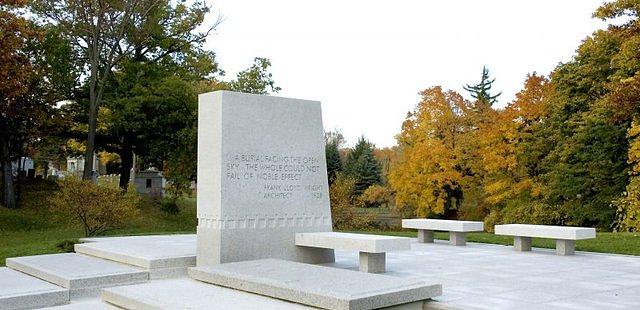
485, 276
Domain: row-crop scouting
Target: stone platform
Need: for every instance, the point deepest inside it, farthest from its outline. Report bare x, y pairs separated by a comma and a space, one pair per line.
163, 256
189, 294
318, 286
20, 291
82, 275
478, 276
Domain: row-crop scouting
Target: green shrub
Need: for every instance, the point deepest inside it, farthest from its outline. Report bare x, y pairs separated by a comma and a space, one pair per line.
67, 246
169, 206
97, 208
343, 206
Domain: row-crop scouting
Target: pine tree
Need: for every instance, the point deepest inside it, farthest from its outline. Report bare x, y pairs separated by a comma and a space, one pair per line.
333, 141
363, 166
481, 91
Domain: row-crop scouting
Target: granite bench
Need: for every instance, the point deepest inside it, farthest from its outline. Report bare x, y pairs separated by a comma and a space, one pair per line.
457, 229
372, 248
565, 236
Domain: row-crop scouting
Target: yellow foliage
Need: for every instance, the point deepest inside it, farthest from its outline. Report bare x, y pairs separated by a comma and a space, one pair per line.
343, 205
432, 153
97, 208
628, 207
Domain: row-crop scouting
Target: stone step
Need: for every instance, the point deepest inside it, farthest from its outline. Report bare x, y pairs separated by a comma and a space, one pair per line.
85, 304
82, 275
162, 256
185, 293
318, 286
21, 291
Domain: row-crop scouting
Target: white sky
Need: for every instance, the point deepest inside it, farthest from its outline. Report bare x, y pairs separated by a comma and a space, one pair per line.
366, 61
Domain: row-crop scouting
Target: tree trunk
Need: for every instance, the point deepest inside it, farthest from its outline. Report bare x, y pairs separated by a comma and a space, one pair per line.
9, 195
126, 156
91, 138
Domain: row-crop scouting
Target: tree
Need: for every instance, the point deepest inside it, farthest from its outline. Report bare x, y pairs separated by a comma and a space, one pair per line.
431, 173
151, 97
334, 140
15, 76
29, 87
482, 91
363, 166
256, 79
98, 32
585, 167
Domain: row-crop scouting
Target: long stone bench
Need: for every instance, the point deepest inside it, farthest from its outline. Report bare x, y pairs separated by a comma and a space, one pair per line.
565, 236
457, 229
372, 248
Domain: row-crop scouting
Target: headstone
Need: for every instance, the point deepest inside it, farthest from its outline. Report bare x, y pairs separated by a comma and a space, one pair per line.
262, 178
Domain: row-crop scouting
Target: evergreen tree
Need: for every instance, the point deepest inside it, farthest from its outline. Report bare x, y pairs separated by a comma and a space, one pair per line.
482, 91
363, 166
333, 142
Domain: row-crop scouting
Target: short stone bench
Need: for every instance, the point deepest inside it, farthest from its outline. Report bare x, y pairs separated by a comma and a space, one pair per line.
457, 229
372, 248
565, 236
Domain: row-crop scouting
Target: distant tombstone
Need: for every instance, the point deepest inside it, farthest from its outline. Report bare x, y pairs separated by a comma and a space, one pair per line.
262, 177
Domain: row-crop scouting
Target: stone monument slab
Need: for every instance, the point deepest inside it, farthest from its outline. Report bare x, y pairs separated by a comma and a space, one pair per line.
319, 286
261, 178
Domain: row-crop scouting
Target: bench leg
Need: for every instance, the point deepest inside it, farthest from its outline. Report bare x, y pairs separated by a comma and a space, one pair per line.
372, 262
457, 238
425, 236
565, 247
522, 244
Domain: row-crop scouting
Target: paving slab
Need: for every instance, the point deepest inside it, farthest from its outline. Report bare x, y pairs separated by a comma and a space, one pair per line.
161, 256
85, 304
21, 291
82, 275
318, 286
186, 293
148, 238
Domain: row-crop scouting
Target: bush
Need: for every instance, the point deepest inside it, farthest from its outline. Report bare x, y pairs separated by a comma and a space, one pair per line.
526, 213
67, 246
376, 195
97, 208
169, 206
343, 206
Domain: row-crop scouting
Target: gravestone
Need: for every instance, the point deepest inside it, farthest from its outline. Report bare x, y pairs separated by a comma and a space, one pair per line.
262, 178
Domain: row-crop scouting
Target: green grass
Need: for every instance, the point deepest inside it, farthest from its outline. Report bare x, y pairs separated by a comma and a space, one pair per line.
31, 231
605, 242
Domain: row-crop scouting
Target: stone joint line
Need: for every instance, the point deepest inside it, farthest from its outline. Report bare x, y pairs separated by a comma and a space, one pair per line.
270, 222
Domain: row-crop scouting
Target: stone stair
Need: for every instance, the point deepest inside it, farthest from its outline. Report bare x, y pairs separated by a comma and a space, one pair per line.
21, 291
81, 275
162, 256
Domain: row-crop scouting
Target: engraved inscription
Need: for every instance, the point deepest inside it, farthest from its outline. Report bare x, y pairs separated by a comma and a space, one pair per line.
278, 176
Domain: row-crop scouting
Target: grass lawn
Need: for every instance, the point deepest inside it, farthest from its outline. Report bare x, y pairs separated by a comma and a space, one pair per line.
29, 232
605, 242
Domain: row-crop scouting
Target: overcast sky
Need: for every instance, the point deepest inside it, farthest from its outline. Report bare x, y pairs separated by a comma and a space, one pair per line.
366, 61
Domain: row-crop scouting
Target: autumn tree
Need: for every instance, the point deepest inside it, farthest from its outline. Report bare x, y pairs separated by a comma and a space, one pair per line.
429, 177
482, 91
30, 84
